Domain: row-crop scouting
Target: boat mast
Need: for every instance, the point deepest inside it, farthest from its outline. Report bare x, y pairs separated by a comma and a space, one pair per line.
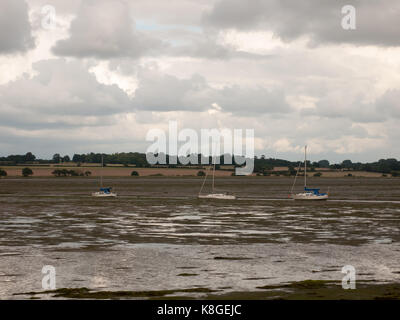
213, 177
101, 173
305, 167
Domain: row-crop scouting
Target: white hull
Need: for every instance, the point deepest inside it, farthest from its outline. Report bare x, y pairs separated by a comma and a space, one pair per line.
309, 196
310, 193
220, 196
102, 194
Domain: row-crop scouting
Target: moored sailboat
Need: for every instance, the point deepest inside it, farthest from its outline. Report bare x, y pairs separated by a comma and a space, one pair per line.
104, 191
309, 193
213, 194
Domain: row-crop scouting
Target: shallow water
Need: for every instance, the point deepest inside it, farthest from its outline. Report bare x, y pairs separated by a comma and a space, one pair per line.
157, 235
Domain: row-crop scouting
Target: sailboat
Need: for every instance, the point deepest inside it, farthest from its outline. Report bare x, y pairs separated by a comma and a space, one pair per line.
104, 191
309, 193
213, 194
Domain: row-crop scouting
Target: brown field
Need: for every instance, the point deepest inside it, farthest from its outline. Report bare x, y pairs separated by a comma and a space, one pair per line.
113, 171
340, 174
121, 171
281, 169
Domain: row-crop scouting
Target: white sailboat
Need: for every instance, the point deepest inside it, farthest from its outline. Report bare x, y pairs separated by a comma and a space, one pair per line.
104, 191
309, 193
213, 194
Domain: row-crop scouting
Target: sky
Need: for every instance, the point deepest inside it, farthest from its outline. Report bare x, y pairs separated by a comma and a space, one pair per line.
96, 75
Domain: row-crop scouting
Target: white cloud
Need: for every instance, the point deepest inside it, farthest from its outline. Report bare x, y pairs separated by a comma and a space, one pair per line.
109, 77
104, 29
295, 83
60, 89
15, 29
377, 23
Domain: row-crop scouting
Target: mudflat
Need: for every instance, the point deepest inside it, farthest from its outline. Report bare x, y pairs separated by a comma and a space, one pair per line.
157, 240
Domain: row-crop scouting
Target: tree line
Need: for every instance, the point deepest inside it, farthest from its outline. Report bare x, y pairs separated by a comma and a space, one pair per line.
262, 164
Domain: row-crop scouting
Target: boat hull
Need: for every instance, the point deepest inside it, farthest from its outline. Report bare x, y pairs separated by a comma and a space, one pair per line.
308, 196
103, 195
219, 196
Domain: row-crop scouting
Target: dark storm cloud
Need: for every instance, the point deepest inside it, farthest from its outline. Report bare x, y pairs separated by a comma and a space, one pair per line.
105, 29
15, 29
377, 22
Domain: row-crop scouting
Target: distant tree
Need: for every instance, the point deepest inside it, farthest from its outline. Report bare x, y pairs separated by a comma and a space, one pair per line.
66, 159
3, 173
323, 164
88, 173
368, 167
317, 174
73, 173
347, 164
29, 157
60, 172
56, 158
134, 173
56, 172
26, 172
201, 173
65, 173
78, 158
357, 166
386, 166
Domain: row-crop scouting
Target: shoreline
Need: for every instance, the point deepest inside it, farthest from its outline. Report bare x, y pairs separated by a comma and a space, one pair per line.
297, 290
121, 172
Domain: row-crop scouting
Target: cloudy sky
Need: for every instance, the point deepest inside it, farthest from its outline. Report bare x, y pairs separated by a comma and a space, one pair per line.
102, 73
